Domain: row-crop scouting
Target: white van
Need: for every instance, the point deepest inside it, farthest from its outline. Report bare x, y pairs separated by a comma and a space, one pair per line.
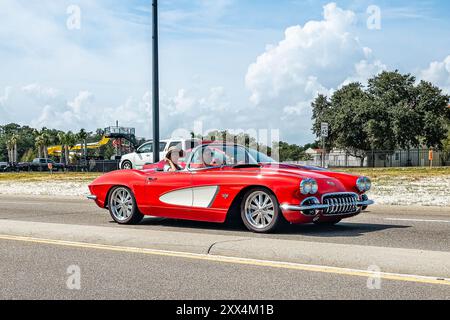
144, 154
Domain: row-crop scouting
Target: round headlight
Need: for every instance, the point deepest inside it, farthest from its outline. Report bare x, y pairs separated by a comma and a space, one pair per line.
368, 184
315, 187
363, 184
309, 186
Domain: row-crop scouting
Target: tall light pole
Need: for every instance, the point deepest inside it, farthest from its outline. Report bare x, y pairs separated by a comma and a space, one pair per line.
155, 84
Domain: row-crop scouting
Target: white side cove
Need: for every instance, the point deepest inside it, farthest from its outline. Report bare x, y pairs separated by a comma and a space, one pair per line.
201, 197
182, 197
204, 196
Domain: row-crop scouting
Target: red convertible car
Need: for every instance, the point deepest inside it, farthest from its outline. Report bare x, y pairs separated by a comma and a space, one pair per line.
221, 180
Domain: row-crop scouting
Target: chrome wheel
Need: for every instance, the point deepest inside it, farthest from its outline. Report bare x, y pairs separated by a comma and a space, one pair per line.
259, 210
121, 204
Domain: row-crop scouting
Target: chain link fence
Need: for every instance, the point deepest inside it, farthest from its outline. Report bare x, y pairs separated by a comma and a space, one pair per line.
95, 166
382, 159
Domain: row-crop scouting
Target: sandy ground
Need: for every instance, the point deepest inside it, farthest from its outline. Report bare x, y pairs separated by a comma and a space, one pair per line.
45, 188
433, 191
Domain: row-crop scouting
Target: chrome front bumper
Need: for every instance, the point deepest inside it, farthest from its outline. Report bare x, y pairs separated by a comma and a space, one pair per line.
332, 204
289, 207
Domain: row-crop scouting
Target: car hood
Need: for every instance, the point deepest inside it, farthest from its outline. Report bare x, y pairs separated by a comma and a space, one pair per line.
339, 179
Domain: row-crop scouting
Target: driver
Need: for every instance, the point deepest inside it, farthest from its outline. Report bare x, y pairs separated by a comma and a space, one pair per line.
172, 159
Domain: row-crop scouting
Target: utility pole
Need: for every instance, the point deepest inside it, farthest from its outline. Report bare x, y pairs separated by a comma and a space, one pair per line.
155, 84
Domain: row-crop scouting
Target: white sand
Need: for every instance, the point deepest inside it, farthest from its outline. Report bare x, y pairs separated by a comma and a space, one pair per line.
425, 192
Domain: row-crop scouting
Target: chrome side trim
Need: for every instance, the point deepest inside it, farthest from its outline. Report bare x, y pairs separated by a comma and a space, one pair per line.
91, 197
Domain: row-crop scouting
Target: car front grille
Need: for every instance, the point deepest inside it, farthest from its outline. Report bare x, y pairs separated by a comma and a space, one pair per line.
341, 203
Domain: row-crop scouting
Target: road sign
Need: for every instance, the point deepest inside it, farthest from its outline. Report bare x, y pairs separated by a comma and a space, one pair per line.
324, 129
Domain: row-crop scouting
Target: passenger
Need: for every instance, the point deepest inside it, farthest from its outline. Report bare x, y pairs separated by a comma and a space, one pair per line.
207, 156
209, 160
172, 157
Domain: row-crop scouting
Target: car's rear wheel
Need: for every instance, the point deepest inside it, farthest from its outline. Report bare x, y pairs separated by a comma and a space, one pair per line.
260, 210
123, 207
127, 165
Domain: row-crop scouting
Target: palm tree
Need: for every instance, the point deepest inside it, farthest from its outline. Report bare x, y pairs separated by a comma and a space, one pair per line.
69, 142
46, 140
61, 137
14, 140
82, 136
39, 144
10, 147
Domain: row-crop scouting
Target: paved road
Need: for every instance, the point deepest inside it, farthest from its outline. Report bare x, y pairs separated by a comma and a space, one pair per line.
41, 272
38, 270
375, 227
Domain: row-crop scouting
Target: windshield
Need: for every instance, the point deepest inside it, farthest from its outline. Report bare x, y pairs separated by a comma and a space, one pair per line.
260, 157
212, 156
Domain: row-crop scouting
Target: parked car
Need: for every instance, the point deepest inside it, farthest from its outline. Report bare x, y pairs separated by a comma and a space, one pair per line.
144, 154
224, 180
40, 164
3, 166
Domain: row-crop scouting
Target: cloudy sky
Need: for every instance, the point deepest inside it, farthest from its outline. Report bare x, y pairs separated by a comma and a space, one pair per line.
231, 64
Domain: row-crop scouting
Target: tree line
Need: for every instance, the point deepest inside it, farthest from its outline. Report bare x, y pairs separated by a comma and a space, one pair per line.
393, 111
23, 143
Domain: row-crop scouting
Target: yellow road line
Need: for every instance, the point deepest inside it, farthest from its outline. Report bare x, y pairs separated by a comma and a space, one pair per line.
234, 260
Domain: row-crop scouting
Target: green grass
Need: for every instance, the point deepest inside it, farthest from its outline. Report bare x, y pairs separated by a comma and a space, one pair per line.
46, 176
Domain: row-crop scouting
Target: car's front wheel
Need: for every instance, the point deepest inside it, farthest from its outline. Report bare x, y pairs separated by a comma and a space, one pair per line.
260, 211
123, 207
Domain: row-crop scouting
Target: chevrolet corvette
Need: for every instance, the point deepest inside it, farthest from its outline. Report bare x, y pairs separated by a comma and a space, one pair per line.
220, 181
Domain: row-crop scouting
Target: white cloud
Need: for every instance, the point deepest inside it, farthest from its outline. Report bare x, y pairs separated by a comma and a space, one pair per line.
40, 92
364, 70
318, 57
181, 103
438, 73
216, 100
80, 105
66, 115
5, 97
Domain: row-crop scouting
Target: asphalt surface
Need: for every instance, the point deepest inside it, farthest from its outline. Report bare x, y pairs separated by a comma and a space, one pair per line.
33, 270
106, 275
373, 227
